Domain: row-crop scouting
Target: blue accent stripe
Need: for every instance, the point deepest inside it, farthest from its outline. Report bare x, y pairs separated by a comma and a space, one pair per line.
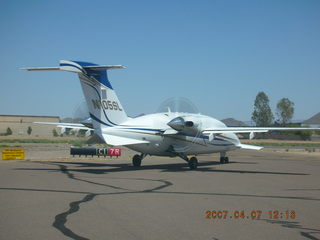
144, 129
98, 120
83, 64
70, 65
192, 135
105, 114
223, 145
99, 75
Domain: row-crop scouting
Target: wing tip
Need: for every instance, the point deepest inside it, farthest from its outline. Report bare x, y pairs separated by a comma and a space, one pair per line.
250, 147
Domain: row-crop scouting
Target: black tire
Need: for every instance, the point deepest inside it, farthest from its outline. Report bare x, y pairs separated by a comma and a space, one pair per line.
226, 160
193, 163
136, 160
222, 160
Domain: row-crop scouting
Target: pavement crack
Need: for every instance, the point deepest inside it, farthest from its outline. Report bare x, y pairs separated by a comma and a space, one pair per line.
65, 170
165, 184
296, 225
308, 235
61, 219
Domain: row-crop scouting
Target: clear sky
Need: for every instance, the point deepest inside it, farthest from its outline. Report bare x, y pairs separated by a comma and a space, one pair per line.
218, 54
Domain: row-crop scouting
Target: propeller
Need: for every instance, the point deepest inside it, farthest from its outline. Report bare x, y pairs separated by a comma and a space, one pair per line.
81, 115
177, 105
181, 108
80, 112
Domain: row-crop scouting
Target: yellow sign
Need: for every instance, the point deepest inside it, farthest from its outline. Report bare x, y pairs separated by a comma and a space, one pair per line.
13, 154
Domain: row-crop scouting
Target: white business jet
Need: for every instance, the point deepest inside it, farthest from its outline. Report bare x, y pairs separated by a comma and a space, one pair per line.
169, 133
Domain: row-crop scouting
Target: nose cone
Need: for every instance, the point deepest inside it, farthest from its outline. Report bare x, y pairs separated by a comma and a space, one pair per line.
177, 123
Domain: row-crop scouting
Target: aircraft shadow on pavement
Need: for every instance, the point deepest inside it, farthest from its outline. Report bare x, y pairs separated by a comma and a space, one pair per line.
104, 168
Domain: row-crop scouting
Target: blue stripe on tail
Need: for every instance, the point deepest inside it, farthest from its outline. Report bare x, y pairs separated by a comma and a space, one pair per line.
99, 75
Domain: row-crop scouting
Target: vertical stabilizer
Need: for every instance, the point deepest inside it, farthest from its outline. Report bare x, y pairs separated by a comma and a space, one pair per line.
104, 106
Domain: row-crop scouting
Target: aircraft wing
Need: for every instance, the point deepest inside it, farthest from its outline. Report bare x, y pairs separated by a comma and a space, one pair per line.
67, 125
253, 129
170, 131
121, 141
251, 147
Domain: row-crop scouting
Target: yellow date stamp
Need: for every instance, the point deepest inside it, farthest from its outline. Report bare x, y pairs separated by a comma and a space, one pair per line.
251, 214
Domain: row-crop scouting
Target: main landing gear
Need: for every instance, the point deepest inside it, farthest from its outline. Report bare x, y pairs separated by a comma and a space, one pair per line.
192, 162
223, 158
136, 160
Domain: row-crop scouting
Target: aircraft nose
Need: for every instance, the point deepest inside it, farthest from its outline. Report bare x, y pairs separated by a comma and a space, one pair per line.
177, 123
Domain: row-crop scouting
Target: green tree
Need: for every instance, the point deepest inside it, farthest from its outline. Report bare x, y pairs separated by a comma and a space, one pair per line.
262, 114
54, 133
29, 131
9, 131
284, 111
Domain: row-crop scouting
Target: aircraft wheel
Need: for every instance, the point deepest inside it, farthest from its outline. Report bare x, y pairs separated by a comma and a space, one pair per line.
136, 160
193, 163
226, 159
222, 160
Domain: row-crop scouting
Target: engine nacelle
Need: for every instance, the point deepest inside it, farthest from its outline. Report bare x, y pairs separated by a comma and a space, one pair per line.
187, 124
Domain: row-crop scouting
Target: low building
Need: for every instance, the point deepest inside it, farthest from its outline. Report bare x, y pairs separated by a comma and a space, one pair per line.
313, 122
19, 125
231, 122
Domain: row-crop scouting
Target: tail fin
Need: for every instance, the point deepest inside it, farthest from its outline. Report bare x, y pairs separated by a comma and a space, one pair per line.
104, 106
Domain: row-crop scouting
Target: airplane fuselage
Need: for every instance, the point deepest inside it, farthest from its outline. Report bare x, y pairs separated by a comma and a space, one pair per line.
152, 128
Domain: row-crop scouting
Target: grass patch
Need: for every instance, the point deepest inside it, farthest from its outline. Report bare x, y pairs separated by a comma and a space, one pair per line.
286, 144
6, 146
78, 143
310, 150
75, 142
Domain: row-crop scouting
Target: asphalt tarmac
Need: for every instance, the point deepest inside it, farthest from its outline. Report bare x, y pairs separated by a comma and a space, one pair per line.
258, 195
